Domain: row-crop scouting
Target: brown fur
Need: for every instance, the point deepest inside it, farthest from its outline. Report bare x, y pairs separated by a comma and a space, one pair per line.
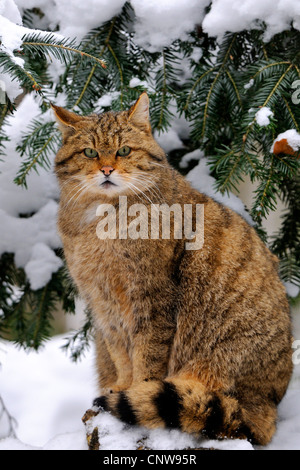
198, 340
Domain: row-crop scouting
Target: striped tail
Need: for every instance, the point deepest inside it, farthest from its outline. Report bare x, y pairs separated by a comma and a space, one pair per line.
189, 406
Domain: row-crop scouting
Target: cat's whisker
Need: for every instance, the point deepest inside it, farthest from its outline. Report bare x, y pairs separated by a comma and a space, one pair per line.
86, 188
159, 164
130, 187
152, 183
72, 191
142, 192
150, 189
153, 190
67, 182
83, 187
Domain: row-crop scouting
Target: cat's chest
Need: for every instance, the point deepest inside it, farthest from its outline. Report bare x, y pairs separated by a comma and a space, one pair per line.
115, 276
100, 264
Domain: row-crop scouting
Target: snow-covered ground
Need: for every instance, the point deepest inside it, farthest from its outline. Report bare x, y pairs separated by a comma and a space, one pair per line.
47, 394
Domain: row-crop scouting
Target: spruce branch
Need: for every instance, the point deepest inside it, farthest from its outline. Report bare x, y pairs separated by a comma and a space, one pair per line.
79, 341
41, 141
56, 47
195, 85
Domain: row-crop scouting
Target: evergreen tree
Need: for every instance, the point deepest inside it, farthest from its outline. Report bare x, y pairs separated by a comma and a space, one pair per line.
228, 85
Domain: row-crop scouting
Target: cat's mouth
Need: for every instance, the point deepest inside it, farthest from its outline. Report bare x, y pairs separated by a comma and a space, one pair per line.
107, 184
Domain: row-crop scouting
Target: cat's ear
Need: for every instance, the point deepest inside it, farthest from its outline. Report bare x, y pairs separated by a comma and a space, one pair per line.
66, 119
139, 113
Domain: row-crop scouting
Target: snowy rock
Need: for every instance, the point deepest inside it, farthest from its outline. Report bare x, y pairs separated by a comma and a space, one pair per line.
49, 381
105, 432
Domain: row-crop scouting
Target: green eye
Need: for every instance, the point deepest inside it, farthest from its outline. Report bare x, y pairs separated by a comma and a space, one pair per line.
124, 151
91, 153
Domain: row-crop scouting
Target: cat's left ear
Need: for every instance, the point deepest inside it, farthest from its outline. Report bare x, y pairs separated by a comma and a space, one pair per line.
66, 119
139, 113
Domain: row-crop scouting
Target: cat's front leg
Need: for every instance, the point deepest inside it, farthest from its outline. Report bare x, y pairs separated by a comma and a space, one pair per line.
151, 344
113, 364
122, 366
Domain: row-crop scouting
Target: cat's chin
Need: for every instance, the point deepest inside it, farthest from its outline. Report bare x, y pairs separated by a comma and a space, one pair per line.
110, 191
108, 185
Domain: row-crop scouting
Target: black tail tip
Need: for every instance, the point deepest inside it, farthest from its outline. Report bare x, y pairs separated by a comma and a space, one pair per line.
101, 402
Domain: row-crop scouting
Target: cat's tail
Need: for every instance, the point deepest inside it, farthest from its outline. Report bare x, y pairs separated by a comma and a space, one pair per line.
190, 407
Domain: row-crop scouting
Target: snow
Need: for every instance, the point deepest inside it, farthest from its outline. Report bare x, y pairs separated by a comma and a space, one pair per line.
168, 140
41, 257
234, 16
263, 116
107, 99
249, 84
48, 395
34, 235
135, 81
76, 18
11, 34
200, 179
195, 155
46, 392
157, 21
292, 137
11, 87
160, 22
292, 289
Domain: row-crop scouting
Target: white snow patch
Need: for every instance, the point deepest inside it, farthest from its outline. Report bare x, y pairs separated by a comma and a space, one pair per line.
292, 137
200, 179
135, 81
42, 264
195, 155
107, 99
159, 22
263, 116
291, 289
249, 84
11, 33
48, 394
22, 235
234, 16
77, 18
168, 140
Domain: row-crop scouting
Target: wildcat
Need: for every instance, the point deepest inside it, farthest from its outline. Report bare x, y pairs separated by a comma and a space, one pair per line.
198, 340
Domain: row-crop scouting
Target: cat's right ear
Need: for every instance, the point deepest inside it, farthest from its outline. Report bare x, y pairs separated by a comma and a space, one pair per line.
66, 119
139, 113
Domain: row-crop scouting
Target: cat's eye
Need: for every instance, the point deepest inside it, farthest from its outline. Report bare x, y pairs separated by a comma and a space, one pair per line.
90, 153
124, 151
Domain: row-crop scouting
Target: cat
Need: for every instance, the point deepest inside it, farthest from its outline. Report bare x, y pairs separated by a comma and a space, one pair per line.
198, 340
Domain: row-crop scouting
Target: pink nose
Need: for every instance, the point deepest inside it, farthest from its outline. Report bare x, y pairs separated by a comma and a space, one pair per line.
107, 170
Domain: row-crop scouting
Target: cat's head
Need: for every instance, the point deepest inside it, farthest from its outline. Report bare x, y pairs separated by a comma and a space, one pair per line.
109, 154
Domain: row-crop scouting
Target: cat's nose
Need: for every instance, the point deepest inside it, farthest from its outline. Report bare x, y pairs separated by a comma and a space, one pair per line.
107, 170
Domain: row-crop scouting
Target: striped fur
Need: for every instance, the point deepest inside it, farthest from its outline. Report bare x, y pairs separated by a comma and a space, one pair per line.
196, 340
190, 407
